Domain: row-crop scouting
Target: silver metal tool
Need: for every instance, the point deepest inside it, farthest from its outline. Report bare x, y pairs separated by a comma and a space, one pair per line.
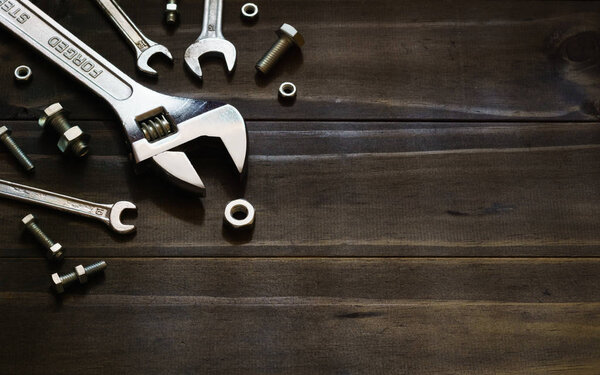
154, 123
109, 214
144, 47
211, 40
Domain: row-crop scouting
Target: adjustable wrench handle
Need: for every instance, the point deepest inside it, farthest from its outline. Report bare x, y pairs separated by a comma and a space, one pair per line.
57, 201
213, 16
127, 27
44, 34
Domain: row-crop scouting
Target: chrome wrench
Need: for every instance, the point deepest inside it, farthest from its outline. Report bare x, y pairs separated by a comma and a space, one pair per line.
154, 123
109, 214
211, 39
144, 47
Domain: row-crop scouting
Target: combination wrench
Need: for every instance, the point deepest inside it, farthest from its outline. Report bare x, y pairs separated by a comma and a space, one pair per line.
144, 47
154, 123
109, 214
211, 40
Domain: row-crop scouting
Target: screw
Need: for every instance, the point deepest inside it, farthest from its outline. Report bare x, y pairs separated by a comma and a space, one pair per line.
81, 273
15, 149
71, 137
171, 12
55, 250
288, 37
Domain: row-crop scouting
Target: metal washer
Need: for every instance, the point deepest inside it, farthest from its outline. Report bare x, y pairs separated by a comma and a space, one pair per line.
239, 205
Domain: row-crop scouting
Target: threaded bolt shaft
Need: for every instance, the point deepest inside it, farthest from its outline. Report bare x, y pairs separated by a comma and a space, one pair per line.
274, 54
171, 14
39, 235
16, 151
60, 281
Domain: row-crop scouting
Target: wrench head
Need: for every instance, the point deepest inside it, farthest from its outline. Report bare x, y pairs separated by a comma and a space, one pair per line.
144, 58
115, 217
210, 46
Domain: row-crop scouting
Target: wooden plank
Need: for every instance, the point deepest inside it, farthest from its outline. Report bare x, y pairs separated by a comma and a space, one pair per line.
339, 189
306, 316
363, 60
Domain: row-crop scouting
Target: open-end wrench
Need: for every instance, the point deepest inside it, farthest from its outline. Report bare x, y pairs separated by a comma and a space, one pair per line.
155, 123
211, 40
109, 214
144, 47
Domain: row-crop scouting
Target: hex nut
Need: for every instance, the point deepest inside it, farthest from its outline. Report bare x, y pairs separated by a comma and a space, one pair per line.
239, 205
56, 252
57, 283
292, 33
28, 219
287, 90
171, 8
250, 11
80, 271
23, 73
50, 112
68, 138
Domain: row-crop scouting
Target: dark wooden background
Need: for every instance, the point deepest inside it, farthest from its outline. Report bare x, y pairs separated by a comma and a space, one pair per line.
428, 205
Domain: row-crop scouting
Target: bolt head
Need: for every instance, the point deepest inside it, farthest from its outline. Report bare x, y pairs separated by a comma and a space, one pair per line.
57, 283
292, 33
4, 130
50, 112
80, 271
55, 252
171, 8
71, 136
28, 219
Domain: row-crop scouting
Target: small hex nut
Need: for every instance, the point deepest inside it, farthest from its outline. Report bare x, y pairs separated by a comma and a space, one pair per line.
243, 206
171, 8
28, 219
50, 112
71, 136
56, 252
250, 11
4, 130
57, 284
80, 271
23, 73
292, 33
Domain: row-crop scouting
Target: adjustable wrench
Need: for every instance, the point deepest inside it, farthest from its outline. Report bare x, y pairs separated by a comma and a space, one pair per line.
154, 123
144, 47
109, 214
211, 39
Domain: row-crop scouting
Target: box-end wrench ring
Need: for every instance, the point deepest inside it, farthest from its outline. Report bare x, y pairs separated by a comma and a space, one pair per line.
109, 214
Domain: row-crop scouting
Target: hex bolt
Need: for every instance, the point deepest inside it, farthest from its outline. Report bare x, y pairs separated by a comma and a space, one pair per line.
288, 37
171, 12
81, 273
54, 250
15, 150
72, 138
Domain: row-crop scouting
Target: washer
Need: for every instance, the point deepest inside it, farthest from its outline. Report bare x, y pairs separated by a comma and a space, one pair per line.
287, 90
23, 73
250, 11
239, 205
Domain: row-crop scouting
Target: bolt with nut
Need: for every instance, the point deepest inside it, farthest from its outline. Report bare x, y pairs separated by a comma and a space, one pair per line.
81, 273
54, 250
14, 149
288, 37
171, 12
72, 138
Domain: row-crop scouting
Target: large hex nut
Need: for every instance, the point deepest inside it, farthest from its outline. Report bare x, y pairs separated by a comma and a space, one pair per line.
80, 271
292, 33
50, 112
57, 283
55, 252
71, 136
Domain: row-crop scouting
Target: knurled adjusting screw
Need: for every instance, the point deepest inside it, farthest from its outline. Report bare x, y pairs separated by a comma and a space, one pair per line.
171, 12
14, 149
288, 37
54, 250
81, 273
72, 138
